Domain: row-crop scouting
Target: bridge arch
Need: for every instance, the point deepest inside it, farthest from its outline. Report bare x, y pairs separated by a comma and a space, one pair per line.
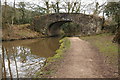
50, 23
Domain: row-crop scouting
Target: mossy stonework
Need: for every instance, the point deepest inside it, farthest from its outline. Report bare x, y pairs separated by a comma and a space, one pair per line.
51, 62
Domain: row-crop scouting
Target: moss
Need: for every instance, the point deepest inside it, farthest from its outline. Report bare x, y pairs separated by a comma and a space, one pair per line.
103, 42
64, 45
46, 70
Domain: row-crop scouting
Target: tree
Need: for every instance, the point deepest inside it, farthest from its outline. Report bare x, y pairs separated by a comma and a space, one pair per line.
78, 6
68, 6
112, 9
96, 9
55, 6
7, 12
47, 5
72, 7
0, 15
14, 13
0, 40
4, 19
22, 6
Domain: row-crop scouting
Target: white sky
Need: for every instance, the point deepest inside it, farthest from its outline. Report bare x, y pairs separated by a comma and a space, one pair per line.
40, 2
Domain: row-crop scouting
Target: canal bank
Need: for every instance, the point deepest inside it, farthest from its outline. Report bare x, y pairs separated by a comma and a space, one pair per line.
52, 63
19, 32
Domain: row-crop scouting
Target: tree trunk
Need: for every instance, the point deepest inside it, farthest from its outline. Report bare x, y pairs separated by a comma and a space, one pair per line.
73, 7
16, 65
3, 63
57, 4
9, 64
47, 5
14, 13
0, 16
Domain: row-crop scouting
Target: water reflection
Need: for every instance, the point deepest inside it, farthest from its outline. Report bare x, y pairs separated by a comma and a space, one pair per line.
24, 57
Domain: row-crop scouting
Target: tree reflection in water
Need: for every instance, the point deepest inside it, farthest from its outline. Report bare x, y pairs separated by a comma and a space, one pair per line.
19, 62
22, 58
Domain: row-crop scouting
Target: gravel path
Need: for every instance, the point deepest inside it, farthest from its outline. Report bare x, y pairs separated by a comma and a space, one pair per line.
81, 61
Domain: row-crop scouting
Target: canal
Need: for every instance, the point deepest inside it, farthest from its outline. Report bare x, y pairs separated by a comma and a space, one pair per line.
22, 58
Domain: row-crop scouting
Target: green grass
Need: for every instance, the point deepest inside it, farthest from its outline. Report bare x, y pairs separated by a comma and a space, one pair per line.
103, 42
64, 45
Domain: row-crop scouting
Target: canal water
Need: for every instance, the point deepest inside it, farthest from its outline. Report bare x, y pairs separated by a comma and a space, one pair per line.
22, 58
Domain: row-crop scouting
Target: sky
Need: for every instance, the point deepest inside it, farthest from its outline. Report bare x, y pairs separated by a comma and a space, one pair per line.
40, 2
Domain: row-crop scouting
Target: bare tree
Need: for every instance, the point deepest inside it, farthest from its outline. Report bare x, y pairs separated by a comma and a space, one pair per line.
3, 62
0, 61
9, 67
14, 13
56, 6
22, 6
97, 9
5, 9
0, 67
72, 7
0, 15
53, 7
78, 6
47, 5
14, 54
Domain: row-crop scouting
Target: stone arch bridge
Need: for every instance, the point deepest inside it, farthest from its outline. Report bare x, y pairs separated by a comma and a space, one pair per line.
49, 24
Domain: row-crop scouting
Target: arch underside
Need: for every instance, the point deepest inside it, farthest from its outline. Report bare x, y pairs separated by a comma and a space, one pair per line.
54, 28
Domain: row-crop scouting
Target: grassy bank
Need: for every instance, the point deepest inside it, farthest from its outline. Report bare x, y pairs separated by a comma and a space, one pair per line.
103, 42
64, 45
17, 32
53, 62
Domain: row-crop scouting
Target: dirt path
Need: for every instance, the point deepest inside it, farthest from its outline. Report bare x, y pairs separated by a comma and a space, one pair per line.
81, 61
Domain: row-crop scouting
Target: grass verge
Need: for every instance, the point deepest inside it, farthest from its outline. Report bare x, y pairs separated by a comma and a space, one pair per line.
53, 62
103, 42
64, 45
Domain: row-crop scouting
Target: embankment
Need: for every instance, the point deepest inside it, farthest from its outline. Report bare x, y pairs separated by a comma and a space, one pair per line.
18, 32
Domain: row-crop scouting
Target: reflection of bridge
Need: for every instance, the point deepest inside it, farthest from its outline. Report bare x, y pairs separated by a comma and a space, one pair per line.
50, 23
